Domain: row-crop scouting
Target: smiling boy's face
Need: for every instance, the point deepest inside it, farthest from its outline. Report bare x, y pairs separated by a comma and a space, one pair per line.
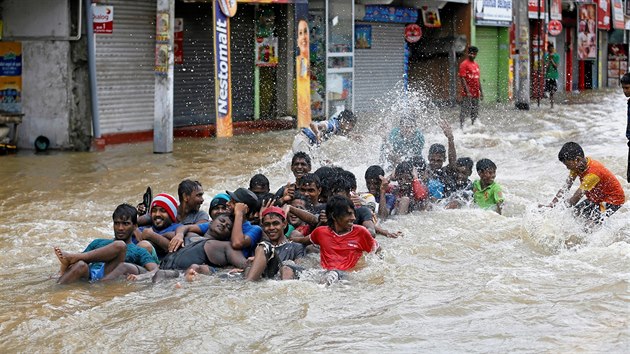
160, 217
487, 176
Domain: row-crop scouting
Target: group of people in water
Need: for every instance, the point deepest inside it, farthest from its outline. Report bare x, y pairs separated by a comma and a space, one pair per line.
258, 234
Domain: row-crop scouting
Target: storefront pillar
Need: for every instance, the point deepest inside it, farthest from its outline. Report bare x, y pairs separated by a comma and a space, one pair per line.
163, 113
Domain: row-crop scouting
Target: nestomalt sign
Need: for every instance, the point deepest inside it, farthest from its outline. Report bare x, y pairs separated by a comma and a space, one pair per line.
223, 84
103, 19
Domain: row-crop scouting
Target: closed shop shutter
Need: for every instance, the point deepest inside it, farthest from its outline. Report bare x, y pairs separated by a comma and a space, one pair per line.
193, 98
488, 57
242, 43
378, 70
124, 68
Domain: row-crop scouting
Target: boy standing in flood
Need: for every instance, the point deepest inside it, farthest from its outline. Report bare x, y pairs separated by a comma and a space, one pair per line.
471, 87
486, 192
603, 192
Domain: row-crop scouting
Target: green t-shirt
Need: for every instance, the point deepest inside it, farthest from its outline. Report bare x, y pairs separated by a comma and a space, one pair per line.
487, 197
552, 72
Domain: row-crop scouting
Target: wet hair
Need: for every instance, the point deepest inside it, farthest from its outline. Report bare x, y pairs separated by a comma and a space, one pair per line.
418, 162
465, 162
347, 116
349, 176
570, 151
187, 187
126, 212
264, 198
473, 49
309, 178
404, 168
301, 155
299, 196
374, 172
336, 207
341, 184
437, 149
625, 79
485, 164
259, 180
326, 175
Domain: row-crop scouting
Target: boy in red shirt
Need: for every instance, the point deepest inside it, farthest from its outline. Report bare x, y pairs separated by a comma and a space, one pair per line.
604, 194
341, 242
471, 87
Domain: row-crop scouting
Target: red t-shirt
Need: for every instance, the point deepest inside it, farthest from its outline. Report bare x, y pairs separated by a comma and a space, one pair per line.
342, 252
469, 70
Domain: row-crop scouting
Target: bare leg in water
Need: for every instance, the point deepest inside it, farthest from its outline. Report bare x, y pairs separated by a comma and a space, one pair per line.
75, 266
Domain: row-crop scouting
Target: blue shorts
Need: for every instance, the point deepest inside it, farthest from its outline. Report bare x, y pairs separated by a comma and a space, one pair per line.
97, 271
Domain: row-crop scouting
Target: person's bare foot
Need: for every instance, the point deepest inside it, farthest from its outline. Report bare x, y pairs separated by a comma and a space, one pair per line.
191, 275
65, 263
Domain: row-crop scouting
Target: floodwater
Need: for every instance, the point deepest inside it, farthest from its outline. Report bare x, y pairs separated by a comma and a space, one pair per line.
458, 281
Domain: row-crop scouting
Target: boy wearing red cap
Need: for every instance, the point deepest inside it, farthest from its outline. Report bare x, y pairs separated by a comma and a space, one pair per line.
275, 258
155, 239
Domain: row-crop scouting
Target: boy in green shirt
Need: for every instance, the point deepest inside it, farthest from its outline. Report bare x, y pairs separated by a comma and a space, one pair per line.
552, 60
487, 193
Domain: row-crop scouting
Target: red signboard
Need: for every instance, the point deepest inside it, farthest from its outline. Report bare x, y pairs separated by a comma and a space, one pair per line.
413, 33
603, 14
532, 6
617, 14
178, 41
103, 19
554, 27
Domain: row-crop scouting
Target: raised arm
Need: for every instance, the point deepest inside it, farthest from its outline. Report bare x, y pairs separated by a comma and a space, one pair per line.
238, 239
448, 132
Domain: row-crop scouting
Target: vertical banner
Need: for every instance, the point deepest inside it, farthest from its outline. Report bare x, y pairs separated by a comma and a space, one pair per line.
536, 6
587, 32
222, 71
603, 14
617, 14
162, 39
11, 77
178, 41
303, 66
555, 10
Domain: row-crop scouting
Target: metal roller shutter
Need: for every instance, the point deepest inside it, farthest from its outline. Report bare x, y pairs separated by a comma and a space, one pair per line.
242, 43
193, 101
124, 68
379, 69
488, 60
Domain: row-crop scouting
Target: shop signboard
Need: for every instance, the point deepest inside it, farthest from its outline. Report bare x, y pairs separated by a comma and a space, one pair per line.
222, 72
587, 32
617, 14
178, 41
103, 19
11, 77
603, 14
390, 14
496, 13
267, 51
617, 63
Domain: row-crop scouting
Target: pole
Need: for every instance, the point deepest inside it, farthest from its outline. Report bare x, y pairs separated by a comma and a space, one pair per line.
522, 50
163, 102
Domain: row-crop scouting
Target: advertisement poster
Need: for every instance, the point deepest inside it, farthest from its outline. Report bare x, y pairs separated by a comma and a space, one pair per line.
617, 63
162, 27
178, 41
431, 17
363, 36
303, 67
617, 14
493, 13
11, 77
587, 32
222, 72
162, 36
103, 19
267, 51
603, 14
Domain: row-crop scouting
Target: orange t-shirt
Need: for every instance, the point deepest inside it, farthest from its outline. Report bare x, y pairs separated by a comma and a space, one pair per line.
600, 185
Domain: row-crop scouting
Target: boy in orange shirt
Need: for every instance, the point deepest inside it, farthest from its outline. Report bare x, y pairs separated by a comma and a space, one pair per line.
604, 194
